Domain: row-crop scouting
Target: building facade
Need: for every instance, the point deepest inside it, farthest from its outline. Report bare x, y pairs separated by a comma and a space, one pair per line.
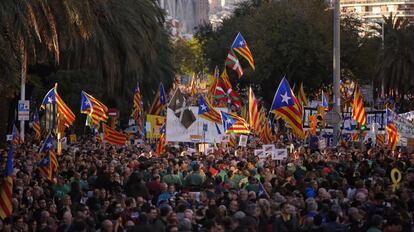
189, 13
201, 12
372, 11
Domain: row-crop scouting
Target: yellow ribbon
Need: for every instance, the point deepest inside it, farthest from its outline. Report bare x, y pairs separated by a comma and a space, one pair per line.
395, 180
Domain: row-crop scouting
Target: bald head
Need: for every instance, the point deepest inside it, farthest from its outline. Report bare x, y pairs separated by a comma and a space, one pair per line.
107, 226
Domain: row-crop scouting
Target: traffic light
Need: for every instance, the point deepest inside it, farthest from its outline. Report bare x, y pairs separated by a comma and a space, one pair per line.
320, 117
312, 124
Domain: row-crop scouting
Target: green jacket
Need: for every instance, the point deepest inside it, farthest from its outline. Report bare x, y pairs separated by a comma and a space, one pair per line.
172, 179
194, 179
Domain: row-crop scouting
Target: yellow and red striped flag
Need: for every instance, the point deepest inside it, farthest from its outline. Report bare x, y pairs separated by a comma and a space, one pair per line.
137, 112
16, 139
193, 85
254, 117
6, 188
213, 84
391, 130
380, 140
355, 136
207, 111
36, 125
392, 136
94, 108
264, 134
302, 96
240, 46
159, 102
234, 124
286, 106
160, 149
113, 137
358, 111
232, 141
52, 97
49, 164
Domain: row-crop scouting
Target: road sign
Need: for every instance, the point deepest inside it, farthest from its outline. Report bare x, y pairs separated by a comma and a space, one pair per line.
333, 117
23, 110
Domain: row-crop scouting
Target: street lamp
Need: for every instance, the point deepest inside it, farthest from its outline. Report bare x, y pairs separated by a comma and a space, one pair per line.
336, 69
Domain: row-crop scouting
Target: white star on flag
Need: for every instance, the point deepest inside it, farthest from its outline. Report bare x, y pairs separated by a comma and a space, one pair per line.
49, 99
241, 43
285, 98
203, 107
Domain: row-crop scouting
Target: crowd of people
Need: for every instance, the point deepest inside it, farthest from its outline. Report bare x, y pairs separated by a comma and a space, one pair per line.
132, 189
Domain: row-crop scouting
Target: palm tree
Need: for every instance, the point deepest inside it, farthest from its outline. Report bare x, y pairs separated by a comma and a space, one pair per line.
110, 43
396, 59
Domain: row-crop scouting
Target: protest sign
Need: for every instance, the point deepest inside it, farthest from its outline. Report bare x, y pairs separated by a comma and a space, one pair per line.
243, 140
279, 154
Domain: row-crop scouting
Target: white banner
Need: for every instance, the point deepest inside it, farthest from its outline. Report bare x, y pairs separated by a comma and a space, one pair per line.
408, 115
176, 132
404, 126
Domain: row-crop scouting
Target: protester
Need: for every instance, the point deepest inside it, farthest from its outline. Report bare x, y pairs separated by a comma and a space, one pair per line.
131, 189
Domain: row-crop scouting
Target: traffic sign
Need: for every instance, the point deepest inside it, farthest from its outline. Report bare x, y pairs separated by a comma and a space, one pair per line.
23, 110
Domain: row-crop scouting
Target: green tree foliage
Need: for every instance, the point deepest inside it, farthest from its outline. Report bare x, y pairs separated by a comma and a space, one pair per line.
396, 60
188, 57
101, 47
292, 38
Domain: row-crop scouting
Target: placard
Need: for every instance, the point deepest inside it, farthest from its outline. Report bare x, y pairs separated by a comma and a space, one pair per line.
260, 153
322, 144
155, 123
243, 140
268, 147
225, 139
279, 154
209, 150
202, 147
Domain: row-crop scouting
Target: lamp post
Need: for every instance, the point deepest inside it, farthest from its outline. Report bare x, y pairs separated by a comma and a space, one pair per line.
336, 69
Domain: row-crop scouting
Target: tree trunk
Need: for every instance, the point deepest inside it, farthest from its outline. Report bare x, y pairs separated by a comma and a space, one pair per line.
4, 119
